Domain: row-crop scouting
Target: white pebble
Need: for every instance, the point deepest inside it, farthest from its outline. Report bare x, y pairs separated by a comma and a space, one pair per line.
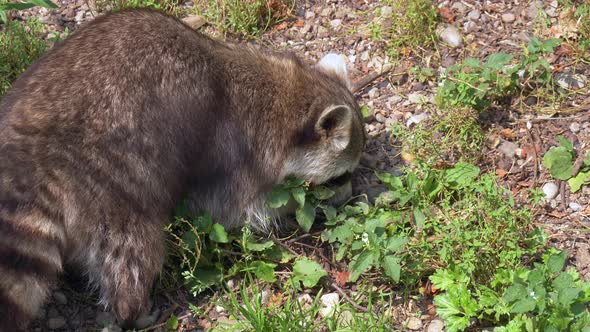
550, 189
575, 206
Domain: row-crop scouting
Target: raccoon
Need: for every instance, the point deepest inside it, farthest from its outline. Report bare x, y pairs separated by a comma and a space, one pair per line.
108, 131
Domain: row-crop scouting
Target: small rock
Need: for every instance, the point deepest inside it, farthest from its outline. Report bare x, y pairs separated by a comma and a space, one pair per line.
550, 189
329, 302
309, 15
264, 297
374, 93
459, 6
534, 8
56, 323
345, 318
415, 119
571, 81
365, 56
451, 36
380, 118
386, 11
336, 23
414, 323
508, 18
326, 12
219, 309
436, 325
306, 28
416, 97
304, 299
79, 16
575, 206
111, 328
508, 149
322, 32
194, 21
474, 15
552, 9
60, 297
469, 26
583, 257
574, 127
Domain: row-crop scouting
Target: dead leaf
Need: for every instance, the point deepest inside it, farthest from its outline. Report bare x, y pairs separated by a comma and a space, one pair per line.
299, 23
501, 173
446, 13
341, 277
508, 133
282, 26
276, 299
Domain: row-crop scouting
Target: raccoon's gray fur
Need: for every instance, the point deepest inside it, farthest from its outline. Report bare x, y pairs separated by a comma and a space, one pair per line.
103, 135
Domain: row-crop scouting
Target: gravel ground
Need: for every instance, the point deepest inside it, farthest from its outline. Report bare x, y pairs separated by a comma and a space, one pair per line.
477, 29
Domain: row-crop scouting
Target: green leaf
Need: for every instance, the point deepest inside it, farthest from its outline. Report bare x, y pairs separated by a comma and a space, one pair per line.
299, 195
559, 162
361, 263
305, 216
172, 323
565, 143
462, 174
579, 180
550, 44
342, 234
264, 271
587, 159
393, 182
526, 304
365, 111
218, 234
258, 246
395, 243
292, 182
279, 253
322, 193
498, 60
307, 271
392, 267
16, 6
568, 295
419, 218
456, 307
556, 262
515, 292
277, 198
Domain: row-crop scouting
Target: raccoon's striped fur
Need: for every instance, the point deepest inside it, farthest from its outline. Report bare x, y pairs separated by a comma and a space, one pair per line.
103, 135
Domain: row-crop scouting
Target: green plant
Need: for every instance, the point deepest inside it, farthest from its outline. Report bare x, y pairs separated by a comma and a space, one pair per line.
478, 85
539, 299
170, 6
560, 163
307, 199
412, 27
6, 6
20, 45
247, 18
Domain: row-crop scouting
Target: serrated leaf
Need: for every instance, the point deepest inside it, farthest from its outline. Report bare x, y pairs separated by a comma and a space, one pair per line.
550, 44
393, 182
264, 271
392, 267
277, 198
305, 216
559, 162
462, 174
419, 218
298, 195
568, 295
498, 60
556, 262
307, 271
579, 180
395, 243
218, 234
456, 307
279, 253
342, 234
361, 263
587, 159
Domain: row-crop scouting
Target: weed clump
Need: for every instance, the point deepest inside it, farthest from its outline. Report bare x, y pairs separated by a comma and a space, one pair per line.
20, 45
247, 19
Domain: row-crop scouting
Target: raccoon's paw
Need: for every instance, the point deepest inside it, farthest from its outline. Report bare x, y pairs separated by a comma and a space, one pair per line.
147, 318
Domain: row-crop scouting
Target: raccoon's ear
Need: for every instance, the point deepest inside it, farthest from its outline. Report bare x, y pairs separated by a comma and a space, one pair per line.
334, 63
335, 125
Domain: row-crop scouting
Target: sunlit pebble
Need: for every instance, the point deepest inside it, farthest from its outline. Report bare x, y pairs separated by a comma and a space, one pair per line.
550, 189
